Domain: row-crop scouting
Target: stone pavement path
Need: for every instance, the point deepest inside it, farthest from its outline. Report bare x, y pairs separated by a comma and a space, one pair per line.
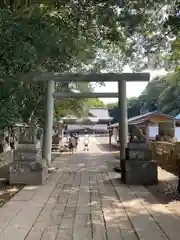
86, 201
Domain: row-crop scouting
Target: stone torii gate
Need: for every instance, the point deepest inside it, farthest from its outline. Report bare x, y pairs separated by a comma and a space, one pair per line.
121, 78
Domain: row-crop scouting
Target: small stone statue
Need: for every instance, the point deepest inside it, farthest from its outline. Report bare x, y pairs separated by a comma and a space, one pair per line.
34, 132
39, 133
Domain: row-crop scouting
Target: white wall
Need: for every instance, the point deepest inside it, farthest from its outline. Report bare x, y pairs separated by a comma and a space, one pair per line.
115, 134
177, 133
152, 131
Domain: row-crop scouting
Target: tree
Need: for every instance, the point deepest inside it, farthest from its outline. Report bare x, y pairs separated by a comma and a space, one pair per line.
66, 107
40, 38
112, 105
149, 98
161, 94
169, 99
96, 103
133, 105
152, 43
58, 35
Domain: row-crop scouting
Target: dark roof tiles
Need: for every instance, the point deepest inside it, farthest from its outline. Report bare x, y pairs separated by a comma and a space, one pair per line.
100, 113
140, 118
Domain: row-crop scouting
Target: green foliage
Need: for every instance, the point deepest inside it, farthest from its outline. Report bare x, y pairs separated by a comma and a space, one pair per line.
66, 107
58, 35
169, 100
96, 103
149, 99
39, 38
161, 94
112, 105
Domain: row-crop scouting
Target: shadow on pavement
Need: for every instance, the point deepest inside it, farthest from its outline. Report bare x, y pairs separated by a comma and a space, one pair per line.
108, 209
105, 147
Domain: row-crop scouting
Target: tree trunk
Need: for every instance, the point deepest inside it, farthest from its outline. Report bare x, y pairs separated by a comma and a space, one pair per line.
1, 148
1, 144
178, 187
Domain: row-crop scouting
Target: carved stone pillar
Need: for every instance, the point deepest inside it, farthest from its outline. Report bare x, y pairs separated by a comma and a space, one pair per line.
28, 166
140, 168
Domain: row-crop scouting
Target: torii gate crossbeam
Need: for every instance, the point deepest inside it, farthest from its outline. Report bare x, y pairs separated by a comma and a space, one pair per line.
92, 77
62, 95
51, 78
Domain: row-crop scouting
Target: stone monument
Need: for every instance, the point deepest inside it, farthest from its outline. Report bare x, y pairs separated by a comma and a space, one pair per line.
28, 166
140, 169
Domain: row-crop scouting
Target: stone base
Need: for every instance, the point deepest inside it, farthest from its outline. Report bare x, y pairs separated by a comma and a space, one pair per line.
140, 173
117, 169
25, 154
29, 145
28, 177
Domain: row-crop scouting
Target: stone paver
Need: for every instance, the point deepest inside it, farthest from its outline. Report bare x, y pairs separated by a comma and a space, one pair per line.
85, 200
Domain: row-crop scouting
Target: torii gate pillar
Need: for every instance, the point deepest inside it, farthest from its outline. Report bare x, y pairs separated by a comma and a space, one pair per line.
123, 122
48, 126
89, 77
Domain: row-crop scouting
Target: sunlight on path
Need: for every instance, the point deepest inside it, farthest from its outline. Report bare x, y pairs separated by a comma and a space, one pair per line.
86, 200
93, 145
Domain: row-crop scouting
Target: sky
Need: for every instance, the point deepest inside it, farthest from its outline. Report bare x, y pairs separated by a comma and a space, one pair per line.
134, 89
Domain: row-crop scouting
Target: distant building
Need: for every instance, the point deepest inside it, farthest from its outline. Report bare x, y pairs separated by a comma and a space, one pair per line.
147, 122
96, 122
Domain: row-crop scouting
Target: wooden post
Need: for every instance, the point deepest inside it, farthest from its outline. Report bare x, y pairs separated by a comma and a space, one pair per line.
110, 137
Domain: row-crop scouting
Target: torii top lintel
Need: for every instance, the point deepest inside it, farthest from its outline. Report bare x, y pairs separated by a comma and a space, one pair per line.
93, 77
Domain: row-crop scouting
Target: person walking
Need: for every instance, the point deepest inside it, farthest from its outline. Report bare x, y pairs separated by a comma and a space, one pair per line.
86, 142
7, 144
72, 144
76, 137
12, 141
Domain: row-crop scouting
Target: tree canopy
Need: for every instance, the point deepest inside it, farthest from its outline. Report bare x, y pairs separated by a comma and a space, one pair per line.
161, 94
40, 36
57, 35
96, 103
